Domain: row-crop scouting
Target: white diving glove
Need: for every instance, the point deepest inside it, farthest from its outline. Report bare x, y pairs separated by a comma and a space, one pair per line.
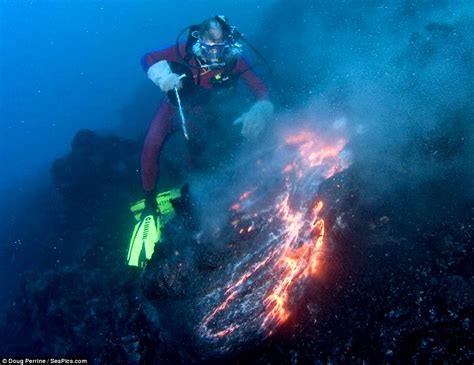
162, 76
253, 122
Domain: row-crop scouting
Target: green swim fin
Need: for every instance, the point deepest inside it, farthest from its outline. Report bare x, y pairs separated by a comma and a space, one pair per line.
147, 231
146, 234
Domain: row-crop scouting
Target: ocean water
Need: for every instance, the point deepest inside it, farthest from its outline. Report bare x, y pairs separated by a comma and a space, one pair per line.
393, 78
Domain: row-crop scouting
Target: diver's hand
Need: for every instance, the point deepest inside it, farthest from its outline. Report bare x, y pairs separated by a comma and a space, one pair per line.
253, 122
162, 76
170, 82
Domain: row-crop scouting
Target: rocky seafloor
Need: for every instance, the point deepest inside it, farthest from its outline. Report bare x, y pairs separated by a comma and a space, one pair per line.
397, 284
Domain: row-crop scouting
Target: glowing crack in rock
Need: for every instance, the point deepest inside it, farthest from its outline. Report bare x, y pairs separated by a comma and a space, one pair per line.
288, 231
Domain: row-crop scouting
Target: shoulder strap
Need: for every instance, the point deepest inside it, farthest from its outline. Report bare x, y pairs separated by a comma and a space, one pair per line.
192, 38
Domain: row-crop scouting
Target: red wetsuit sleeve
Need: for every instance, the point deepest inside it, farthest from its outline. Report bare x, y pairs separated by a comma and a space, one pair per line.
168, 54
161, 127
254, 83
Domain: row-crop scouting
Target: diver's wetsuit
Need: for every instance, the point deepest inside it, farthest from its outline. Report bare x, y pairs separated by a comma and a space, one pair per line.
166, 120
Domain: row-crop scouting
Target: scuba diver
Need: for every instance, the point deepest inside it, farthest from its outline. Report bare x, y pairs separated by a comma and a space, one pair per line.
199, 77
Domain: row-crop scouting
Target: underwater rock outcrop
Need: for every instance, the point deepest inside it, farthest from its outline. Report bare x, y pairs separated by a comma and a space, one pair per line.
396, 287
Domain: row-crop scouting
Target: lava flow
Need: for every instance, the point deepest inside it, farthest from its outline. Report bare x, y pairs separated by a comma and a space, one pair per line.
287, 234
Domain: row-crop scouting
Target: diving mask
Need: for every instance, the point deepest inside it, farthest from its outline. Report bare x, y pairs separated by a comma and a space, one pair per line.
215, 55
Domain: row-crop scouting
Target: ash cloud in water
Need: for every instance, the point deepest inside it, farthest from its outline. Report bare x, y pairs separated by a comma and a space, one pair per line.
258, 164
400, 71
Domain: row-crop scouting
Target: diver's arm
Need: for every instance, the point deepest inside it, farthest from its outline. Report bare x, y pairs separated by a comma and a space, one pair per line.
161, 127
151, 58
257, 117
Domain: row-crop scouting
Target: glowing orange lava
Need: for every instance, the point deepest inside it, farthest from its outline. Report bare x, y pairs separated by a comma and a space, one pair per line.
236, 206
294, 259
245, 195
295, 239
295, 262
315, 151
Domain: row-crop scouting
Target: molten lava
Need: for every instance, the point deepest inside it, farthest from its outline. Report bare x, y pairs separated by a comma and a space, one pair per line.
288, 242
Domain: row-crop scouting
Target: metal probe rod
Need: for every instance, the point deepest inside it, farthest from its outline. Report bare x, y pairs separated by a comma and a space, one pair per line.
181, 114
